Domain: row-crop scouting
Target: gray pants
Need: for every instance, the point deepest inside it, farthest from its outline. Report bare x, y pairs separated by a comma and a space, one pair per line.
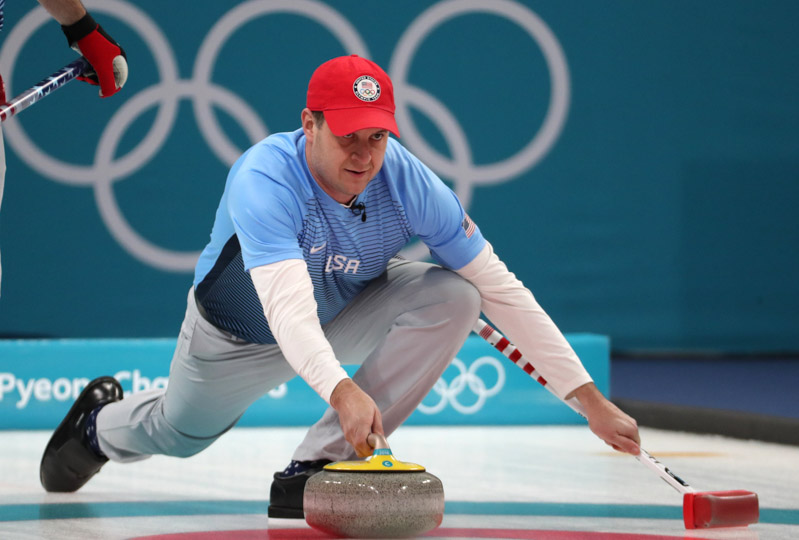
403, 330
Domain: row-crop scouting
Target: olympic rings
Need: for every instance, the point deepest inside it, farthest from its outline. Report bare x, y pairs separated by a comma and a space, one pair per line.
203, 94
466, 378
460, 168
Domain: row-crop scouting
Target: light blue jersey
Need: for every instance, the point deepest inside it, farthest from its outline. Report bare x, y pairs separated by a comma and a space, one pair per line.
272, 210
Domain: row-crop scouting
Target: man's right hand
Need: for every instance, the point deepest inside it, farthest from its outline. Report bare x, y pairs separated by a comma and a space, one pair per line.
358, 414
109, 64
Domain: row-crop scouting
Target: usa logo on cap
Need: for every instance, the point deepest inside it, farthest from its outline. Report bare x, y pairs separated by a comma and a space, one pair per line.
366, 88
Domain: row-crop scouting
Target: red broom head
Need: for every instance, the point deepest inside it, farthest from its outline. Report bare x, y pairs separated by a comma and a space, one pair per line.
708, 509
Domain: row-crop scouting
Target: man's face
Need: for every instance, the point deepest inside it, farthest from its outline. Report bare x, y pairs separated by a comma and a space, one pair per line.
342, 166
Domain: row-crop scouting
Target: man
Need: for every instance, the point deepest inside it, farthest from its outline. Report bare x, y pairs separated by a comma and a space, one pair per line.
301, 273
108, 61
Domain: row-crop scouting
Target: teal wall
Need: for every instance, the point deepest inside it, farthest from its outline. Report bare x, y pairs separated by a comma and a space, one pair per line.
636, 164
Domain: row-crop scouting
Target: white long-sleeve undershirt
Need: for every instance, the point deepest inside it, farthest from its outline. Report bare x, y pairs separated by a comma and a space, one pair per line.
512, 307
286, 293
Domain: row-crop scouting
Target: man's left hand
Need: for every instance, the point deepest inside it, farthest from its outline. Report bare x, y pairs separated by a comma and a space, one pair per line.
608, 422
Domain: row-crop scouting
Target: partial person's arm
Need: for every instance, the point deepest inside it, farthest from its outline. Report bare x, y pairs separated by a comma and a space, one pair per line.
285, 290
108, 60
66, 12
512, 307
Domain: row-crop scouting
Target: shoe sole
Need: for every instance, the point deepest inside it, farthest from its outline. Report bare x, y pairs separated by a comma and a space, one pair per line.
287, 523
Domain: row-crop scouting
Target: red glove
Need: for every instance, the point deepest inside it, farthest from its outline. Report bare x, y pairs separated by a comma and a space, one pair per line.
108, 60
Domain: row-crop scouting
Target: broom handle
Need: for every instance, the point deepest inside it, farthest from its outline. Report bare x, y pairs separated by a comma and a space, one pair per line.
22, 101
500, 343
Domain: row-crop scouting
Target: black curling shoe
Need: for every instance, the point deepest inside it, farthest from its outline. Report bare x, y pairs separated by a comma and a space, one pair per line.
68, 461
288, 487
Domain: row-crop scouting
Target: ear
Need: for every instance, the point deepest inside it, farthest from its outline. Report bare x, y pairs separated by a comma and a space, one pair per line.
308, 123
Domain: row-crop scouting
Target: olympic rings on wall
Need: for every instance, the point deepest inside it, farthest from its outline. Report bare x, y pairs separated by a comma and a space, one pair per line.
466, 383
203, 93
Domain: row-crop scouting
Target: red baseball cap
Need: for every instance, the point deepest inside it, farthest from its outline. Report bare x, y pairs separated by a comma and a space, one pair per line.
354, 93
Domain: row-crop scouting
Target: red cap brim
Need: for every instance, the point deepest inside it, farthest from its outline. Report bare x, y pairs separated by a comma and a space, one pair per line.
345, 121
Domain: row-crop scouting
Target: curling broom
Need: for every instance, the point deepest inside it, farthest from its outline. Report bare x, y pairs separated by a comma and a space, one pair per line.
701, 509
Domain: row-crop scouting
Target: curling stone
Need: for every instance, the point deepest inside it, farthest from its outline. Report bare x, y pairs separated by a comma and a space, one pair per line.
379, 497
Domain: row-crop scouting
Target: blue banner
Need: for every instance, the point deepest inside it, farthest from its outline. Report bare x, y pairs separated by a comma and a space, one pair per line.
40, 379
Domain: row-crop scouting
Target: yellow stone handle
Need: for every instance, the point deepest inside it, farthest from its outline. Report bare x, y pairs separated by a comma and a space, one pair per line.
381, 460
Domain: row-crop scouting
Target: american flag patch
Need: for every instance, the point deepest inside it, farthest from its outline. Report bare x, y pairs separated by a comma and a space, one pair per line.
468, 225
